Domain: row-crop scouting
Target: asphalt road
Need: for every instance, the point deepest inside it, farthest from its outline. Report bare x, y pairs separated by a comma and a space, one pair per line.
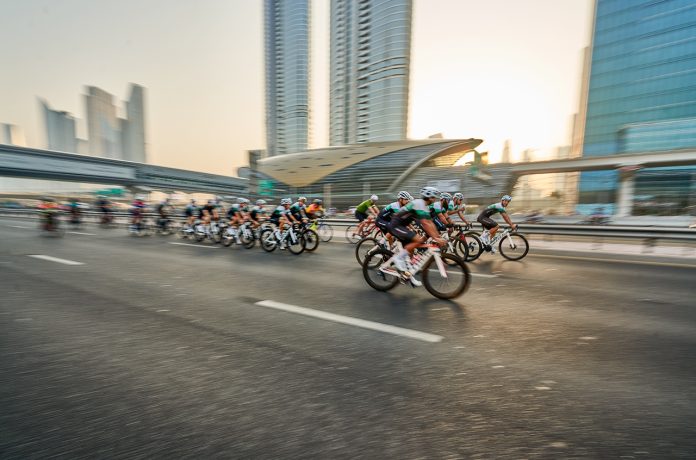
149, 349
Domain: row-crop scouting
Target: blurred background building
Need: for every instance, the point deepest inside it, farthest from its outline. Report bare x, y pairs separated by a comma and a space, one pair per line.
369, 70
60, 129
12, 135
287, 35
641, 98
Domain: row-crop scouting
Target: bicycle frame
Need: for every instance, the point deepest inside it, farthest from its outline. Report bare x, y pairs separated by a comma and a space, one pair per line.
432, 251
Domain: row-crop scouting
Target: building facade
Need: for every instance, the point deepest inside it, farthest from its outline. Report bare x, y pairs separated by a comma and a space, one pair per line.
60, 129
641, 98
369, 70
133, 127
103, 127
12, 135
287, 54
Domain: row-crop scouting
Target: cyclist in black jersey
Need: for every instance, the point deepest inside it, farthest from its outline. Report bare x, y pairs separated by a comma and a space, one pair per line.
385, 215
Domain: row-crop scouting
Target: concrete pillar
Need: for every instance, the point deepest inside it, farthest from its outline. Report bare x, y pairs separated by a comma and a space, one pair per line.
626, 192
327, 196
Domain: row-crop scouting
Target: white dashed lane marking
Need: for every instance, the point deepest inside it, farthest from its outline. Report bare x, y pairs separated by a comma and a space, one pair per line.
410, 333
55, 259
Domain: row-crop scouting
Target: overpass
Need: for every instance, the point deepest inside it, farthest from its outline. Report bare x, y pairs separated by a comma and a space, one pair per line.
627, 164
46, 164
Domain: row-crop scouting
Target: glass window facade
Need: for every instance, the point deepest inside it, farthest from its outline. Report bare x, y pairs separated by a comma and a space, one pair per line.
287, 75
370, 65
642, 92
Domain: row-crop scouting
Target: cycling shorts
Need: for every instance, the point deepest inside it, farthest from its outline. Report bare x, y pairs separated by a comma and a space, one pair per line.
382, 225
360, 215
439, 225
487, 222
402, 233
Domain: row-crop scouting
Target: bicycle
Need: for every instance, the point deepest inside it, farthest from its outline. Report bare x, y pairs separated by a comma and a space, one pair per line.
324, 230
310, 236
369, 229
469, 243
512, 245
445, 276
49, 223
272, 239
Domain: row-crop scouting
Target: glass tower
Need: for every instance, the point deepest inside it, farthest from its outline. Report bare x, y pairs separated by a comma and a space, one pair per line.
642, 98
287, 75
369, 75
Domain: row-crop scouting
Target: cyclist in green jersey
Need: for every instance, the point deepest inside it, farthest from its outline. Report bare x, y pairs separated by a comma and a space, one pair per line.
489, 224
361, 212
457, 206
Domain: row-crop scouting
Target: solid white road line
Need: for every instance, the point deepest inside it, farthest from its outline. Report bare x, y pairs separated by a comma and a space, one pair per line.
483, 275
55, 259
424, 336
194, 245
17, 226
82, 233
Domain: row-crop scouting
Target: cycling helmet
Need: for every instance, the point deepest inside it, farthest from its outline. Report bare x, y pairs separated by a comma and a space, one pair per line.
317, 201
445, 196
458, 196
302, 198
404, 196
243, 201
211, 202
286, 201
260, 202
430, 192
374, 198
506, 198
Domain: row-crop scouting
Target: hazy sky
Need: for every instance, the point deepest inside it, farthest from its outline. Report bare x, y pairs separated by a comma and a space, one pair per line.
492, 69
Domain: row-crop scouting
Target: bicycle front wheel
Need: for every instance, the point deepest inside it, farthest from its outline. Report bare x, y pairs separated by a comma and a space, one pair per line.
448, 281
311, 240
298, 245
514, 246
268, 240
376, 278
364, 247
325, 232
474, 246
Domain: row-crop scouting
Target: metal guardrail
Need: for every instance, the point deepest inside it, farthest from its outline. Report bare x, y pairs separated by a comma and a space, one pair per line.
649, 235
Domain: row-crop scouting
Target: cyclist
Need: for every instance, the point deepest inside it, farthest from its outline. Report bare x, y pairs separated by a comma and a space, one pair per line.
282, 215
418, 210
163, 213
492, 226
48, 210
361, 212
314, 210
257, 213
438, 211
74, 208
234, 213
298, 208
137, 211
191, 212
457, 206
105, 207
385, 215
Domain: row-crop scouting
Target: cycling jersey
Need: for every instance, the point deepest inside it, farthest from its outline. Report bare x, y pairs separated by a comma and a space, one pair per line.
388, 211
495, 208
208, 207
456, 207
256, 212
416, 209
296, 209
363, 207
279, 212
234, 210
191, 210
313, 209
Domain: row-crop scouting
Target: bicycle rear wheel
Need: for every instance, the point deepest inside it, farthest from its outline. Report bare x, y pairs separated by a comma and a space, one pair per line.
452, 282
325, 232
297, 246
352, 234
514, 246
474, 245
268, 240
248, 239
374, 276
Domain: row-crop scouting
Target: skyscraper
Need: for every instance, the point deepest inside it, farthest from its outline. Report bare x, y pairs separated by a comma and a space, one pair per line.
103, 127
60, 129
642, 93
12, 135
369, 75
287, 75
133, 127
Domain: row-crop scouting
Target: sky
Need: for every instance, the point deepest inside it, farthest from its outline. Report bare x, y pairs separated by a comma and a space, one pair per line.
490, 69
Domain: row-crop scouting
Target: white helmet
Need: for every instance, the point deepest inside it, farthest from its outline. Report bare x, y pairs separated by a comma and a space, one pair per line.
430, 192
374, 198
243, 201
458, 196
403, 195
286, 201
445, 196
302, 198
260, 202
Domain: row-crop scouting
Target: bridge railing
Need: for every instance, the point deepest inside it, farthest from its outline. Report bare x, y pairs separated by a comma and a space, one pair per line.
649, 236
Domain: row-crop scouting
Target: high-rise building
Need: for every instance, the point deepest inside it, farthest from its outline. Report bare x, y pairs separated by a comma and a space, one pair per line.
642, 88
60, 129
12, 135
287, 75
369, 70
103, 126
133, 127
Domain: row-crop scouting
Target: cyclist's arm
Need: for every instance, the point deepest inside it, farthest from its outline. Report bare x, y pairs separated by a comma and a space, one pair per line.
430, 230
509, 222
374, 209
